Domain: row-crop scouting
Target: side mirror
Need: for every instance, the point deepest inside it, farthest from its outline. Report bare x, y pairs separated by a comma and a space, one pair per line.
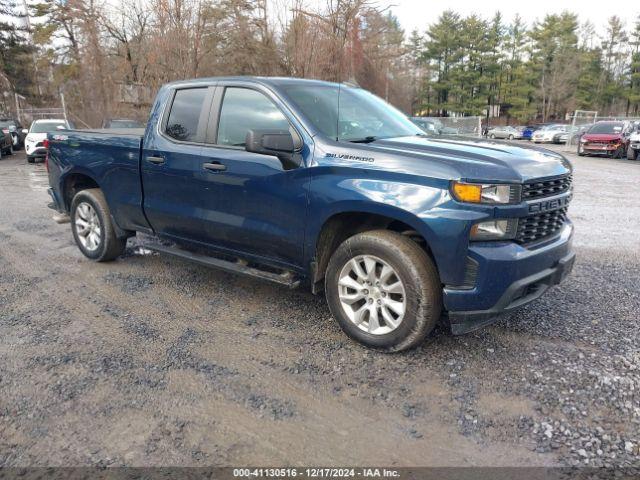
272, 142
25, 131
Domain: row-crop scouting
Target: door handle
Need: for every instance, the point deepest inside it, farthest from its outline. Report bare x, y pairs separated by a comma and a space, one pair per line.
214, 166
157, 160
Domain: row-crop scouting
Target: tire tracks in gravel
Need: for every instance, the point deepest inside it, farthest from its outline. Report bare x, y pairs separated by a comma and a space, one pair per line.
210, 376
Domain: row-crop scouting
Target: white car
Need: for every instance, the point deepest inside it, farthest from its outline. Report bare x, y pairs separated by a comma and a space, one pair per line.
634, 145
548, 134
34, 141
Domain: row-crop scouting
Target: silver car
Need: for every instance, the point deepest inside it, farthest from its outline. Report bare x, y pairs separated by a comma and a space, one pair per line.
505, 132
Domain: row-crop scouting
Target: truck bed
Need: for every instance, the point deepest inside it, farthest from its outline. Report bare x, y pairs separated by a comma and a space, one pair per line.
111, 158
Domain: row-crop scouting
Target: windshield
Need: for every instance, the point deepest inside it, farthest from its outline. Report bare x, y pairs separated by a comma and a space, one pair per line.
362, 115
44, 127
607, 128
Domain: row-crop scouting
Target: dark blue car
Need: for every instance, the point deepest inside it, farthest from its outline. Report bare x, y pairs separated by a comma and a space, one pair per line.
304, 182
527, 133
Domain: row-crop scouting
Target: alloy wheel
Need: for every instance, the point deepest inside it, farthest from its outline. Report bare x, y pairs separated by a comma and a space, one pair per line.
372, 294
87, 225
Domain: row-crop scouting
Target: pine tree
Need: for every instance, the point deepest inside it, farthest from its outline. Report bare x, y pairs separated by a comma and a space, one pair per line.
16, 61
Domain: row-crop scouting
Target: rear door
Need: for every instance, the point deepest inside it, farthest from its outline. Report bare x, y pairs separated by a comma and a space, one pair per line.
171, 166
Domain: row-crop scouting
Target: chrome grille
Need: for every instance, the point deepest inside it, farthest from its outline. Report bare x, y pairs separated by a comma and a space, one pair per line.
537, 227
546, 188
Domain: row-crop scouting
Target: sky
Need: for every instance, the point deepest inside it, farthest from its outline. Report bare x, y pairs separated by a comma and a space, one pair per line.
417, 14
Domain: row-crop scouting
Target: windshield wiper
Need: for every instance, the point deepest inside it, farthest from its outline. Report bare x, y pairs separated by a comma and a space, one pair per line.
364, 140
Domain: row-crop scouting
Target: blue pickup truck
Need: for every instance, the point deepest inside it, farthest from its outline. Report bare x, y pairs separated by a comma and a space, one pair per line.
305, 182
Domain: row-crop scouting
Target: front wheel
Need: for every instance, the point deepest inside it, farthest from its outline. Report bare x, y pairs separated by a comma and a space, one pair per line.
510, 137
632, 153
92, 227
492, 136
384, 290
619, 152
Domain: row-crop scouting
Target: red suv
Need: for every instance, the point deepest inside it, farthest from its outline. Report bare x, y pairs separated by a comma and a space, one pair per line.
605, 138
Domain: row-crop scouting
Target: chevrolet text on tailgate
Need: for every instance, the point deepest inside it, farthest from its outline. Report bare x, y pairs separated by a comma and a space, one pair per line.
326, 185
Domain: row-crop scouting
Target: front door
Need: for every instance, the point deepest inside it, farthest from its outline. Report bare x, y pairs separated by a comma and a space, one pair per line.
261, 204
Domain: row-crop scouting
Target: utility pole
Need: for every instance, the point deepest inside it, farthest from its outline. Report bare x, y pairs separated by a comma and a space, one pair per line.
17, 96
64, 107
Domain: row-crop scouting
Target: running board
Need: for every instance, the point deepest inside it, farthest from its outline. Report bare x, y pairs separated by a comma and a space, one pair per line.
240, 266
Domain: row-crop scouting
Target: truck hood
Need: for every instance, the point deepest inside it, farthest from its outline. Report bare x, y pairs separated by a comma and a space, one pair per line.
601, 137
470, 158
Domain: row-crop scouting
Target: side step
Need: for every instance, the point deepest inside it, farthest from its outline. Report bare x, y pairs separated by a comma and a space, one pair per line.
287, 278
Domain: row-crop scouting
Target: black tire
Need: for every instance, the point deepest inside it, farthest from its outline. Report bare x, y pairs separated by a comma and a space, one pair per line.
492, 136
619, 153
30, 159
632, 153
413, 268
510, 137
110, 246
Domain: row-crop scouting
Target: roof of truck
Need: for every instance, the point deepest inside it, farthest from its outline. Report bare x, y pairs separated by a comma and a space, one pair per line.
275, 81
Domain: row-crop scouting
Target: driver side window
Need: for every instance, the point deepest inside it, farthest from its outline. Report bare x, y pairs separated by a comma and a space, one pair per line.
244, 109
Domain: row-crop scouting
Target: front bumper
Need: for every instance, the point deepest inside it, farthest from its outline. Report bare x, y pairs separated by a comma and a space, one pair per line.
600, 148
36, 151
509, 276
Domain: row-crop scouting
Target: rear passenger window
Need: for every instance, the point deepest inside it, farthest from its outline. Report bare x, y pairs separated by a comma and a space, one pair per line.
184, 117
244, 109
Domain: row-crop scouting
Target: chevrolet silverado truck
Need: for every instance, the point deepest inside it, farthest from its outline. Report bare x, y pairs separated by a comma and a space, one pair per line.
304, 182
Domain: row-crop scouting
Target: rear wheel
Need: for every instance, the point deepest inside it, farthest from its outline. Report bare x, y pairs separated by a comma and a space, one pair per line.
384, 290
492, 136
510, 137
632, 153
92, 227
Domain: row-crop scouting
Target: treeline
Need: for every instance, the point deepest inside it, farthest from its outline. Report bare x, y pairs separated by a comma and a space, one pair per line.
109, 58
553, 67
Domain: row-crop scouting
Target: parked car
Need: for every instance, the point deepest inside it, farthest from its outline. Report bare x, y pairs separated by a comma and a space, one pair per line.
449, 131
634, 143
510, 133
527, 133
15, 129
6, 142
610, 138
36, 135
427, 125
547, 134
121, 123
562, 136
274, 178
577, 132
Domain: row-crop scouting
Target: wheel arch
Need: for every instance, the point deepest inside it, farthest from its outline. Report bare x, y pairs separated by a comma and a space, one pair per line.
340, 225
73, 182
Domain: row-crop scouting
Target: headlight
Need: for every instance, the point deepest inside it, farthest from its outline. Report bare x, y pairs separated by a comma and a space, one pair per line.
503, 229
486, 193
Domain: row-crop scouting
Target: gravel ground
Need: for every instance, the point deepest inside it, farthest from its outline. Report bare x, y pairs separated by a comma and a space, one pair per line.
150, 361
